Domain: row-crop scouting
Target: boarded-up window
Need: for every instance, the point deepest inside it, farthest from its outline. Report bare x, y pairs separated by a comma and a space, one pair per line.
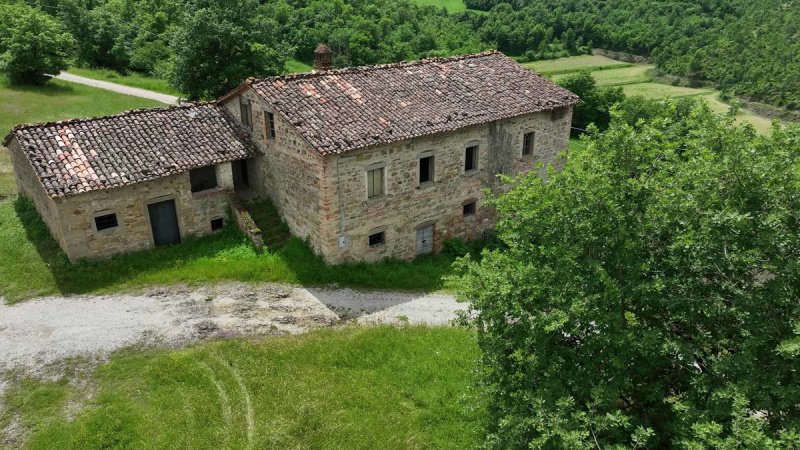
203, 178
375, 182
269, 124
426, 169
245, 112
527, 143
106, 221
471, 158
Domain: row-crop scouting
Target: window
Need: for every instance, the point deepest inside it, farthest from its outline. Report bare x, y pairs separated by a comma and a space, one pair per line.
244, 109
471, 158
377, 239
425, 169
106, 221
375, 182
203, 178
527, 143
269, 124
469, 209
217, 224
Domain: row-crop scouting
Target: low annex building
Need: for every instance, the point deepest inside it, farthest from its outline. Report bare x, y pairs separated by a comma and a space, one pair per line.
365, 163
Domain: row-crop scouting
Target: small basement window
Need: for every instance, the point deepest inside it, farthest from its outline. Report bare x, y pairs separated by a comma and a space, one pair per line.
471, 158
245, 112
203, 178
377, 239
528, 140
269, 124
425, 169
217, 224
375, 182
106, 221
469, 209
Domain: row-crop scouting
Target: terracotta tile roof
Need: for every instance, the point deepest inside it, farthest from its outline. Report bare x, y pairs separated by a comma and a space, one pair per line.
75, 156
346, 109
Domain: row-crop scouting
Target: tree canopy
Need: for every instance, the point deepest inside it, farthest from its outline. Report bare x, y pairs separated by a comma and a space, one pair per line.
647, 295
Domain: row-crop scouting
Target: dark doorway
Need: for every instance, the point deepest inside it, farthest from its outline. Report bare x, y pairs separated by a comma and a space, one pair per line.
240, 178
164, 222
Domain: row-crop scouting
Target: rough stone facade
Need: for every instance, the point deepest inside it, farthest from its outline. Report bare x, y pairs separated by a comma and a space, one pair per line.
324, 198
71, 219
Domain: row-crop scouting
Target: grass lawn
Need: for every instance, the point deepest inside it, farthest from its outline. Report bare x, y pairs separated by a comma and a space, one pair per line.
450, 5
132, 79
295, 66
618, 77
374, 387
574, 64
658, 90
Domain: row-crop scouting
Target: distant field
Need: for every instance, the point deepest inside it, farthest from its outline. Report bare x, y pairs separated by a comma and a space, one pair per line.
618, 77
575, 63
450, 5
295, 66
658, 90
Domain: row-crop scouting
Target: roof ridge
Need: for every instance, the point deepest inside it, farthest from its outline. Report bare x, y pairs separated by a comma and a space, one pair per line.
374, 67
130, 112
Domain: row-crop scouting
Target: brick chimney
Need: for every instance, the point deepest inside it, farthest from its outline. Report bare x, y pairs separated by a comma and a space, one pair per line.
323, 58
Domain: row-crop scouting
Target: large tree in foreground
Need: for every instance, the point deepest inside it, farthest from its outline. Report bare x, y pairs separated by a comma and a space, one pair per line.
33, 46
221, 44
649, 294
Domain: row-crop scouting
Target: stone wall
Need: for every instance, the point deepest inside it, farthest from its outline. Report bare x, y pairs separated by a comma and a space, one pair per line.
288, 172
406, 205
30, 187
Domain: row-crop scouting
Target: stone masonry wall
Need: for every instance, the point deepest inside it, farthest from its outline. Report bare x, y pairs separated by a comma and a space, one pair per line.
288, 172
406, 206
75, 214
30, 187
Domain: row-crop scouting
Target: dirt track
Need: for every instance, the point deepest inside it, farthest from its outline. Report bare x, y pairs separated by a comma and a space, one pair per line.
40, 332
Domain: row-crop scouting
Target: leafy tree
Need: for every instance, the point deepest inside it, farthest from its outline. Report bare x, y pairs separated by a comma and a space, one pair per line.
221, 44
596, 102
647, 295
33, 45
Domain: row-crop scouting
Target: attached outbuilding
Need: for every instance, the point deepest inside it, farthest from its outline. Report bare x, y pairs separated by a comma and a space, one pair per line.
131, 181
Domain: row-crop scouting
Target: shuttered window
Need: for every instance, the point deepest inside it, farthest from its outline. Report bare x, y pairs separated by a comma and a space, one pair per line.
269, 124
245, 112
374, 182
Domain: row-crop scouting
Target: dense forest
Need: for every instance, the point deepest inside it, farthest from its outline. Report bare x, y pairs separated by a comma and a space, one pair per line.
747, 48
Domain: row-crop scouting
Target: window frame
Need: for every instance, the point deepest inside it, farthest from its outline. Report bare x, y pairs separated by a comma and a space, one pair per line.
196, 170
378, 244
473, 148
245, 110
106, 229
528, 142
431, 175
381, 168
269, 125
469, 204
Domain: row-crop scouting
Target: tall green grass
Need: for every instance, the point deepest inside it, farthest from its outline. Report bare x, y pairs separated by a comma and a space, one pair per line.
354, 388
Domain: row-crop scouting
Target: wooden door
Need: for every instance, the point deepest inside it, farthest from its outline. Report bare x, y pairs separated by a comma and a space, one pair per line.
164, 222
425, 240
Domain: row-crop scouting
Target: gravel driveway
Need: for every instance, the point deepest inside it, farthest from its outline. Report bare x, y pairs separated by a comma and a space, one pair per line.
39, 332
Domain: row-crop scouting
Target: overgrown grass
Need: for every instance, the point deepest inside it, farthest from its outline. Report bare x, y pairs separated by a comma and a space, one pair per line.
32, 264
131, 79
376, 387
295, 66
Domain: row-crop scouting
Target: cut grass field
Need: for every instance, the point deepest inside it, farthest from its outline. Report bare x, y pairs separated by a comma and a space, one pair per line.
450, 5
375, 387
131, 79
635, 79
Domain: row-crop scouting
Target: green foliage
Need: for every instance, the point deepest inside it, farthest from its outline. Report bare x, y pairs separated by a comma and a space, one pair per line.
33, 45
359, 388
221, 44
647, 294
595, 103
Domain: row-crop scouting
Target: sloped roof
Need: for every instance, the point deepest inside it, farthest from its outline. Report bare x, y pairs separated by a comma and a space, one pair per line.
346, 109
76, 156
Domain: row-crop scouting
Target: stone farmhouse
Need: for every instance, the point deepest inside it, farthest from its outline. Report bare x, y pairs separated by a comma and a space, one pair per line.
365, 163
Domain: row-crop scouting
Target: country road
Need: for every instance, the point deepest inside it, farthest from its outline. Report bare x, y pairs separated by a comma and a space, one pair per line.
114, 87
